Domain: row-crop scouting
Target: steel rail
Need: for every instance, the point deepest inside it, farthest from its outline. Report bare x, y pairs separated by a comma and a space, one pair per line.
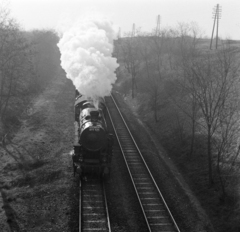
80, 207
93, 208
106, 207
141, 179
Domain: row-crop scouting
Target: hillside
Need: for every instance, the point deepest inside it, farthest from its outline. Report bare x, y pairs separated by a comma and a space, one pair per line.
172, 84
36, 166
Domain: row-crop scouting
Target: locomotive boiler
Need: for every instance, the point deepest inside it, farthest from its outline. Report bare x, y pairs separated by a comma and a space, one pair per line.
93, 143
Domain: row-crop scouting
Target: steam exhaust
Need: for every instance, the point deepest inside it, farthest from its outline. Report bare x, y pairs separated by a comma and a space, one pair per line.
86, 56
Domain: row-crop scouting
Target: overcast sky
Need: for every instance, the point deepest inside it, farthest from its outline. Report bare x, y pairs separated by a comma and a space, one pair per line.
38, 14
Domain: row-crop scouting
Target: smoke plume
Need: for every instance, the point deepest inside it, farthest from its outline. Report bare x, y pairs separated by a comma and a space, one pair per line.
86, 56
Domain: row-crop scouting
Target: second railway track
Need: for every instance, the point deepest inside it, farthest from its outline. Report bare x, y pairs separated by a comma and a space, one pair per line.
155, 210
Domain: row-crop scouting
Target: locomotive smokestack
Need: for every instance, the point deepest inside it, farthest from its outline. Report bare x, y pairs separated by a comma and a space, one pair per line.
86, 56
94, 115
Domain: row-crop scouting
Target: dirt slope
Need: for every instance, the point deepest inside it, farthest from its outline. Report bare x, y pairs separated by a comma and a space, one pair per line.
36, 166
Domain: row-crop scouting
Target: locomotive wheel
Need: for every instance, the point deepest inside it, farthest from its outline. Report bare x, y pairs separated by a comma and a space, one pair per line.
77, 169
74, 169
106, 173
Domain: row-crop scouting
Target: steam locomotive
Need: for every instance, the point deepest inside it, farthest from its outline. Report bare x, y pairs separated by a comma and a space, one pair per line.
92, 143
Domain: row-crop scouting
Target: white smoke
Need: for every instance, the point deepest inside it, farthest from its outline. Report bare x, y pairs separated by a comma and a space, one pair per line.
86, 56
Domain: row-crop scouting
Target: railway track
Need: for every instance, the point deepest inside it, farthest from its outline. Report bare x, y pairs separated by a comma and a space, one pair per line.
155, 209
93, 209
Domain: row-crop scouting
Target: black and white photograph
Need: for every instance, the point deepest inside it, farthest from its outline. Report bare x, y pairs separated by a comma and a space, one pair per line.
119, 116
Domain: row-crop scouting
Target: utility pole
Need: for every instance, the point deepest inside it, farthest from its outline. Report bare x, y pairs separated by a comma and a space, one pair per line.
133, 30
119, 33
216, 16
132, 61
158, 26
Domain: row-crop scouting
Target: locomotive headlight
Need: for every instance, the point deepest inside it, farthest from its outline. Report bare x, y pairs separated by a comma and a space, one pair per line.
80, 158
93, 137
104, 159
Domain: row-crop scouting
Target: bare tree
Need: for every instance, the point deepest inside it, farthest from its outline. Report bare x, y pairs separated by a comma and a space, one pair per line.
14, 61
154, 66
184, 49
211, 78
150, 81
227, 134
130, 59
46, 59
